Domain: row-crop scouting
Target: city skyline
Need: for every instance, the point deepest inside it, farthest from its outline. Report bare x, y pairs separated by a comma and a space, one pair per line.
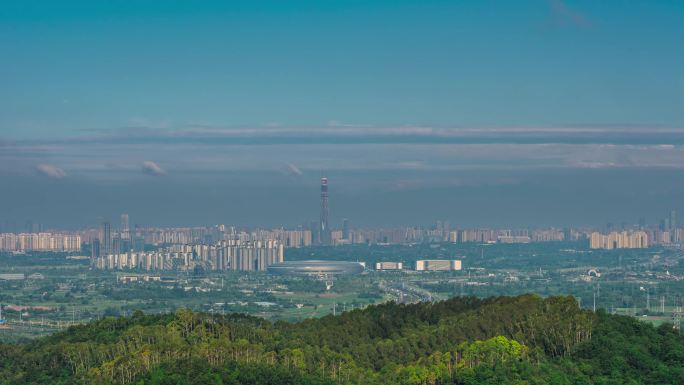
664, 221
106, 241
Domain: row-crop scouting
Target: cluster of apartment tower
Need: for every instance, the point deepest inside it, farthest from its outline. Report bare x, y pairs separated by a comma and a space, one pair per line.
39, 242
225, 255
619, 240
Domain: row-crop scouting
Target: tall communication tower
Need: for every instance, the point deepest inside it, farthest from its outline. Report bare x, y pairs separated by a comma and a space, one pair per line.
323, 229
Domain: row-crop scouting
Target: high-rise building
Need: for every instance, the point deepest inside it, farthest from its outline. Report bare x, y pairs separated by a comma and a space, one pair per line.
125, 228
345, 229
324, 230
619, 240
673, 227
94, 248
33, 227
665, 224
117, 244
40, 242
226, 255
315, 234
106, 238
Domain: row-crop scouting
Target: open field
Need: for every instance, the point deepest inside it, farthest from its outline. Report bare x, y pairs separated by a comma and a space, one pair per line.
634, 283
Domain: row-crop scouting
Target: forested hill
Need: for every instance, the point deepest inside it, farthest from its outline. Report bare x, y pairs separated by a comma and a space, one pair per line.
503, 340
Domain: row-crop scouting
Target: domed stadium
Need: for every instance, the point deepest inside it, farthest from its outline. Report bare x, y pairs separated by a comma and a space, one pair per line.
316, 268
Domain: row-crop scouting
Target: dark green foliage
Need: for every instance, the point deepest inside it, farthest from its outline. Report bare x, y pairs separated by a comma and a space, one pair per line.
199, 372
623, 349
525, 340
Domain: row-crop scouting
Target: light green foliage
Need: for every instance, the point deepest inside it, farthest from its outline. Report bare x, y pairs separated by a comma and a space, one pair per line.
495, 350
512, 340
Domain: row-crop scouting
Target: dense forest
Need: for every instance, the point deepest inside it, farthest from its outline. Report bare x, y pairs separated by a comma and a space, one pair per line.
465, 340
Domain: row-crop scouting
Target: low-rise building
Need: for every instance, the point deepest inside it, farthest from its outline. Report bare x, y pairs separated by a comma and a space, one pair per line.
381, 266
438, 265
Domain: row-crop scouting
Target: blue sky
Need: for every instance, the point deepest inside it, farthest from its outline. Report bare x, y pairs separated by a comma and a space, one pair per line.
420, 99
80, 65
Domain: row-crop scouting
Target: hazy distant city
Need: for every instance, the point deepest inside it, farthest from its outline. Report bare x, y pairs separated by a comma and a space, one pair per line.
119, 245
340, 259
232, 248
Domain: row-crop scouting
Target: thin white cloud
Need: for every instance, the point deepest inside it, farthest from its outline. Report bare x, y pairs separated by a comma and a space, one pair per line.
51, 171
513, 149
151, 168
407, 134
294, 170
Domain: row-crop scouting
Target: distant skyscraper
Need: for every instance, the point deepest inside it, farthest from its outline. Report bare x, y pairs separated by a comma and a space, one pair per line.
673, 219
33, 227
665, 224
125, 228
315, 233
106, 238
345, 229
324, 231
117, 245
94, 249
